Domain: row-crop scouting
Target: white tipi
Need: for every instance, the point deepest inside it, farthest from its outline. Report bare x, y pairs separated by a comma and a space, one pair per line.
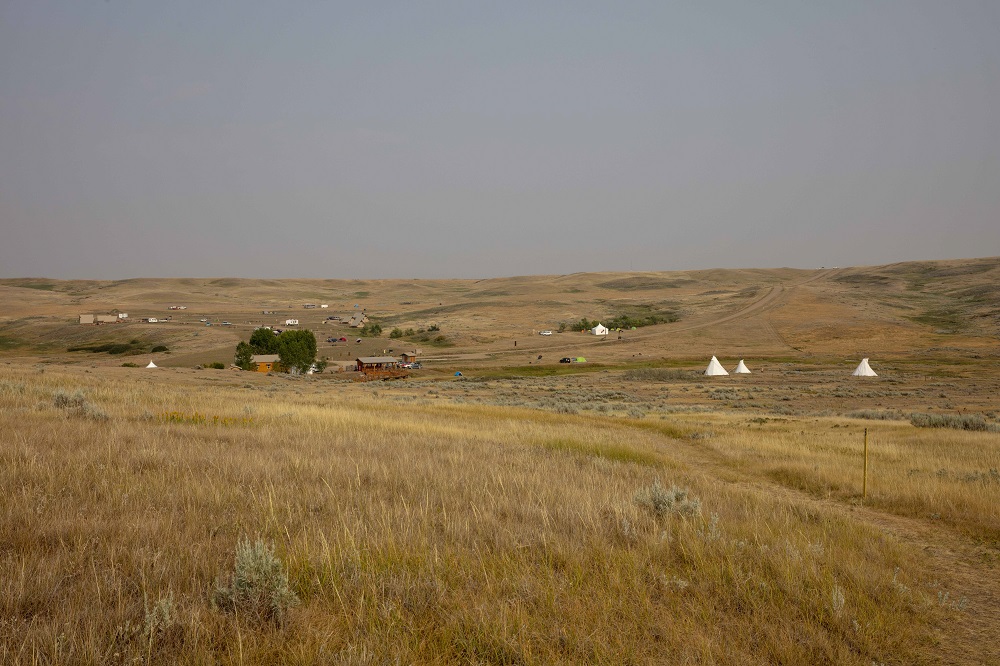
864, 370
715, 368
741, 369
152, 365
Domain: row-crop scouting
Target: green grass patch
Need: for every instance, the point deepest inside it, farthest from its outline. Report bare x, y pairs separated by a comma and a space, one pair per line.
951, 319
538, 370
113, 348
9, 343
615, 452
640, 283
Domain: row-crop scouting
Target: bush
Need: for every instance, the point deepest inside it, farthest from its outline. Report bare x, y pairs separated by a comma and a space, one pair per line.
258, 587
129, 364
158, 348
63, 400
975, 422
656, 374
663, 502
216, 365
396, 333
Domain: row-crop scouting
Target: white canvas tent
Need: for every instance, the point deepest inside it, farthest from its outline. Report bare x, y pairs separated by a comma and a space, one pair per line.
864, 370
741, 369
599, 330
715, 368
152, 365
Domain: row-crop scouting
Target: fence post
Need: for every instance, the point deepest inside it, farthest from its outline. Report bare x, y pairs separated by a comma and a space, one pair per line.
864, 481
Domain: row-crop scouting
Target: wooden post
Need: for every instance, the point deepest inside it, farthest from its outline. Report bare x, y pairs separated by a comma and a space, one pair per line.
864, 481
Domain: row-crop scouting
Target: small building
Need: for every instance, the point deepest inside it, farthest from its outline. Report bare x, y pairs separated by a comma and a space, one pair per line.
265, 362
86, 319
106, 319
410, 357
123, 315
379, 367
358, 320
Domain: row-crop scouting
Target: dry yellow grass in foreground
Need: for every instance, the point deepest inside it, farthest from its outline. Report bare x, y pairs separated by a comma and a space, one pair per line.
454, 533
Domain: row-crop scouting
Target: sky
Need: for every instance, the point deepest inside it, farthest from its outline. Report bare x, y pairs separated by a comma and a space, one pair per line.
322, 139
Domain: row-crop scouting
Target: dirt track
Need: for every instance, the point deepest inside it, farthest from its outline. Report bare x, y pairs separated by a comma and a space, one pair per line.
968, 572
770, 300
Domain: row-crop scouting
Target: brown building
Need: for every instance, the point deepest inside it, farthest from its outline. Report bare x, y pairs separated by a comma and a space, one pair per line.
265, 362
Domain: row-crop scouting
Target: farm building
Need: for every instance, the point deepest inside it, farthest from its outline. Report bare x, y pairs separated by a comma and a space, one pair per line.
86, 319
379, 367
265, 362
106, 319
410, 357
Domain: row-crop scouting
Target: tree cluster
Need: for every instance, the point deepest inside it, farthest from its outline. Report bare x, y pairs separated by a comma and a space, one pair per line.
296, 350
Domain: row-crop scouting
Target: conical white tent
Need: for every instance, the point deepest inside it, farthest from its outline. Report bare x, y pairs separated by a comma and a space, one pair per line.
152, 365
741, 369
864, 370
715, 368
599, 330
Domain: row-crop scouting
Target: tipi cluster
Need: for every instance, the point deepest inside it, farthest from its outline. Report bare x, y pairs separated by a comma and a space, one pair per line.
715, 369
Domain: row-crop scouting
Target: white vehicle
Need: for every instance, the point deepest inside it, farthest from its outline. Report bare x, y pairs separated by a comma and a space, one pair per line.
291, 322
544, 332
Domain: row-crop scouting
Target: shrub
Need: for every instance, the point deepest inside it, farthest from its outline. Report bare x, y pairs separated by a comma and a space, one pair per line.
63, 400
433, 327
129, 364
974, 422
216, 365
655, 374
158, 348
258, 587
663, 502
396, 333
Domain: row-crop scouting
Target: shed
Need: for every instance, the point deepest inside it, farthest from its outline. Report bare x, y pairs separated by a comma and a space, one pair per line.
265, 362
379, 367
106, 319
410, 356
86, 319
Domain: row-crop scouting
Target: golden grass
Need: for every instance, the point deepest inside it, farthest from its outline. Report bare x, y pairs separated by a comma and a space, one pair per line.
436, 533
952, 476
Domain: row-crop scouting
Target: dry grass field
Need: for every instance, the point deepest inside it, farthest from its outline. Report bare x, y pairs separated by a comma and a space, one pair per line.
623, 510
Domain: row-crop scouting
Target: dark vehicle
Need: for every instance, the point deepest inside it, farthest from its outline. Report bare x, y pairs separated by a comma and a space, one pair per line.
566, 359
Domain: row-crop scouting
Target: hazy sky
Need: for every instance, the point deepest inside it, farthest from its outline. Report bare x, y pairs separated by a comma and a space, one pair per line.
479, 139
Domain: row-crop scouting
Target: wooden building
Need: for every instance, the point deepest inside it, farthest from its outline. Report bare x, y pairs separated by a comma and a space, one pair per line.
379, 367
265, 362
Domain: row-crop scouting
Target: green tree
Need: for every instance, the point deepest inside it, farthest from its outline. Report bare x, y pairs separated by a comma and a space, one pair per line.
396, 333
264, 341
244, 355
371, 330
297, 350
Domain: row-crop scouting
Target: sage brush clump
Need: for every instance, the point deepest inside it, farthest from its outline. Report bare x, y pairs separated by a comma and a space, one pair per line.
258, 587
664, 502
975, 422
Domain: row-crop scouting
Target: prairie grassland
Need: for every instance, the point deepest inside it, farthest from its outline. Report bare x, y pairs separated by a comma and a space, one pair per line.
432, 533
952, 476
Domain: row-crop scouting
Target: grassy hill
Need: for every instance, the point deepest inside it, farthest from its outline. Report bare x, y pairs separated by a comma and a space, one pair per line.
624, 510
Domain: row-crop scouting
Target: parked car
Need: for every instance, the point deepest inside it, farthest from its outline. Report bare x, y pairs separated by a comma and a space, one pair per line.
544, 332
226, 323
416, 365
566, 359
